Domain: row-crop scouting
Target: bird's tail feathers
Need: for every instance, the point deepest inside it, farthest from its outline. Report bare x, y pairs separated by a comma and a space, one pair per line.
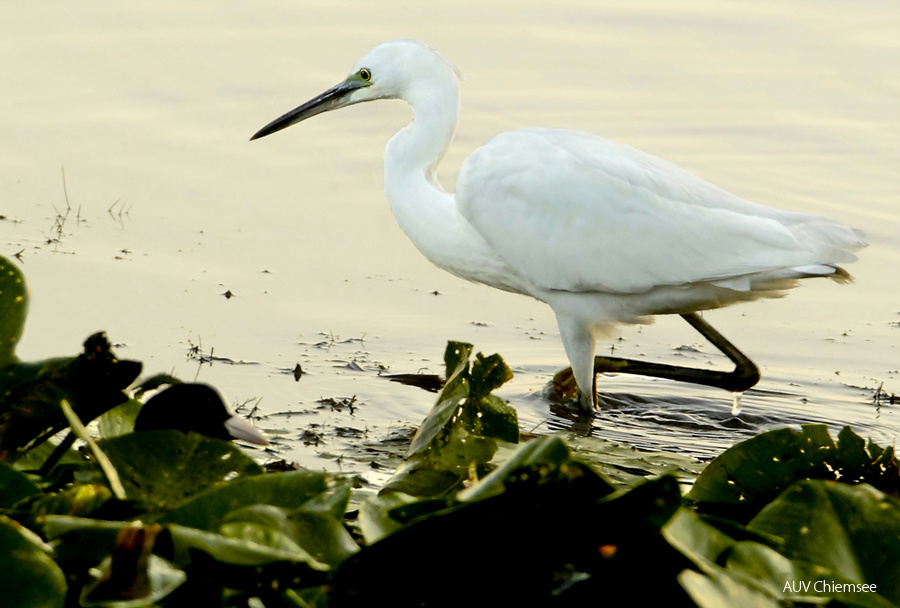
840, 275
832, 242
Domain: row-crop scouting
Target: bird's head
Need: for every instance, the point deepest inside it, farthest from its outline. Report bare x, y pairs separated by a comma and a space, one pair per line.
396, 69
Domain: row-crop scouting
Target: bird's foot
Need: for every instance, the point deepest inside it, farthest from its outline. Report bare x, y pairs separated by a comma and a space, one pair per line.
586, 403
581, 408
567, 401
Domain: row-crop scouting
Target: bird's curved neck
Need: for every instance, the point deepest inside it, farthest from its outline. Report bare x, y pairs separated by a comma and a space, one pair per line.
425, 211
421, 206
419, 147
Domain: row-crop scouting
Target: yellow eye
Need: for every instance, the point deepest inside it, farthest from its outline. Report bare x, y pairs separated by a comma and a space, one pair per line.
365, 75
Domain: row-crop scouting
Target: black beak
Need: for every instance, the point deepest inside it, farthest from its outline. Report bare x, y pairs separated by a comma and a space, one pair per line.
337, 96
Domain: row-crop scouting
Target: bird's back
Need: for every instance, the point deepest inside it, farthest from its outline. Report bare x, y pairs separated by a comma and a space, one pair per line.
578, 213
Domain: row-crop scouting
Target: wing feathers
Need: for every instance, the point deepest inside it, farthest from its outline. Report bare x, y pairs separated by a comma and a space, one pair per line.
570, 211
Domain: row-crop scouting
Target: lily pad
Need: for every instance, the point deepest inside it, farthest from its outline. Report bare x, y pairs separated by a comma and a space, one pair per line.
90, 540
14, 486
853, 531
491, 417
716, 589
375, 521
333, 502
119, 420
186, 542
796, 580
207, 510
424, 479
79, 500
317, 533
36, 457
625, 465
29, 578
745, 477
80, 540
548, 451
708, 548
164, 469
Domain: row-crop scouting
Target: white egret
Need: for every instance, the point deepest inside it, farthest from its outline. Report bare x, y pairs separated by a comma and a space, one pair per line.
601, 232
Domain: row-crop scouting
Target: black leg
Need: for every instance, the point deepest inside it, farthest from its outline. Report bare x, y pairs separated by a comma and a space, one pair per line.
744, 375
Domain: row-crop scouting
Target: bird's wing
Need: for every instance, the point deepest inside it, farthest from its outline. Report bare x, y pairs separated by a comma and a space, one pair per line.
574, 212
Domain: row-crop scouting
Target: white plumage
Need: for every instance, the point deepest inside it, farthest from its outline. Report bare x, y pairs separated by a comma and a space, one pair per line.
601, 232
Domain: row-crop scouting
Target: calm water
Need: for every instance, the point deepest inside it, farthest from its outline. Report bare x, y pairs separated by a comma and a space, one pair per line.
148, 108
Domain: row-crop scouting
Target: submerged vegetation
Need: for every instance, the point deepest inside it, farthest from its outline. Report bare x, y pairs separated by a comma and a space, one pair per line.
473, 516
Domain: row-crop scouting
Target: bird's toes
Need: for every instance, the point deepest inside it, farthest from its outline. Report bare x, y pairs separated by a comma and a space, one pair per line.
587, 403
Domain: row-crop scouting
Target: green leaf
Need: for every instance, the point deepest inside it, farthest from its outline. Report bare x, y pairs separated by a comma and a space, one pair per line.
625, 465
550, 450
779, 577
120, 419
424, 478
696, 539
456, 359
89, 540
264, 525
745, 477
14, 486
449, 401
708, 547
318, 534
717, 589
30, 393
769, 571
33, 459
29, 578
375, 521
654, 501
463, 448
851, 530
13, 310
163, 469
163, 579
466, 419
55, 526
81, 539
79, 500
186, 541
490, 416
750, 474
288, 490
333, 502
488, 373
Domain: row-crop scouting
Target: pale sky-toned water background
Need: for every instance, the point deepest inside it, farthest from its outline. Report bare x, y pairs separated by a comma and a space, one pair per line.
148, 107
